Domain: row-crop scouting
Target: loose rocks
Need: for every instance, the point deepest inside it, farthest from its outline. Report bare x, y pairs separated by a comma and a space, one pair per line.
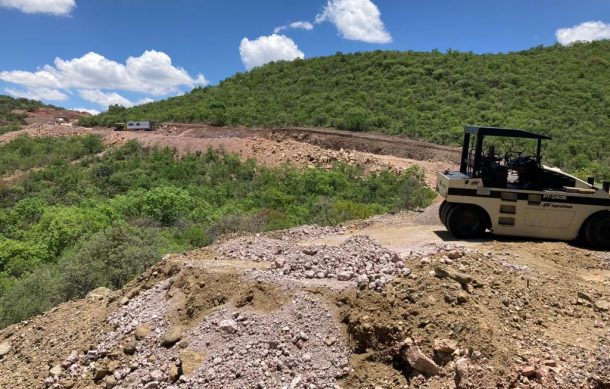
5, 347
358, 258
228, 326
171, 336
142, 332
418, 360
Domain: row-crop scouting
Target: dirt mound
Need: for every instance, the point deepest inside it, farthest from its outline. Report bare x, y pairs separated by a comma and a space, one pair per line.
52, 115
398, 146
493, 314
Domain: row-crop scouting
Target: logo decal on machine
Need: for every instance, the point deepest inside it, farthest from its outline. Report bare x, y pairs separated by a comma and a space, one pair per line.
551, 205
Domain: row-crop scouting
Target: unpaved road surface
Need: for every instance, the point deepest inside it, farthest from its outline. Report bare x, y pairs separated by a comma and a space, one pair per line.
301, 147
387, 302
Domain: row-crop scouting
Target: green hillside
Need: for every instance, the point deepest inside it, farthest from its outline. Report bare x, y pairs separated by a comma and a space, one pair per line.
11, 121
82, 219
561, 91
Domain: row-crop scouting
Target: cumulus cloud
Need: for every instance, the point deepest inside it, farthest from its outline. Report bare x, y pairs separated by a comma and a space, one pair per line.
295, 26
152, 72
358, 20
267, 49
54, 7
584, 32
38, 94
104, 99
88, 110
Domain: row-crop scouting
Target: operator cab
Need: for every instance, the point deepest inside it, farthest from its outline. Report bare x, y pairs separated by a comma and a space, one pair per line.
512, 170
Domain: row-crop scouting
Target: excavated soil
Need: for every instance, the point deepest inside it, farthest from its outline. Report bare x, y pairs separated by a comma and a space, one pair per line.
249, 313
300, 147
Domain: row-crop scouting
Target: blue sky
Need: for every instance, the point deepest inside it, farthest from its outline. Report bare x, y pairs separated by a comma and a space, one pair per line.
176, 45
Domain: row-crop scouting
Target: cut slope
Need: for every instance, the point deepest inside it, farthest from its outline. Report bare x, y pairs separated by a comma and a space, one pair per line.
562, 91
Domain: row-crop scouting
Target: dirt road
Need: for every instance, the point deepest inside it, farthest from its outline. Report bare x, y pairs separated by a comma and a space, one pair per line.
275, 147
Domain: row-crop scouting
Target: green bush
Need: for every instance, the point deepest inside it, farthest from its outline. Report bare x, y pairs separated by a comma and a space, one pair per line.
166, 204
18, 258
343, 210
109, 258
229, 224
25, 153
60, 227
31, 295
72, 227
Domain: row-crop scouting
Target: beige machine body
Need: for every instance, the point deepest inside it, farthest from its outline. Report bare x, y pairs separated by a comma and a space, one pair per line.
515, 194
547, 214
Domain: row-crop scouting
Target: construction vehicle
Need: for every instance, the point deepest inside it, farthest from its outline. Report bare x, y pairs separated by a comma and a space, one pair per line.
515, 194
141, 125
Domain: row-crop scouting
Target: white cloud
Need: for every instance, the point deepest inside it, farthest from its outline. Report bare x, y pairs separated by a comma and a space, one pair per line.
38, 94
267, 49
54, 7
358, 20
584, 32
295, 26
145, 100
88, 110
104, 99
152, 73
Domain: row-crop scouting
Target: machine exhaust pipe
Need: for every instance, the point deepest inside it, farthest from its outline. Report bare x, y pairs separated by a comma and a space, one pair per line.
606, 186
591, 181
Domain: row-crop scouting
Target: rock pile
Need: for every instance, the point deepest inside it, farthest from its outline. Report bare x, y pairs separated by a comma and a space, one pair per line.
359, 260
295, 347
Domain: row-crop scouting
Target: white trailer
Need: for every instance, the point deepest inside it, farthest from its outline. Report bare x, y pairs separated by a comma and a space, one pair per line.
142, 125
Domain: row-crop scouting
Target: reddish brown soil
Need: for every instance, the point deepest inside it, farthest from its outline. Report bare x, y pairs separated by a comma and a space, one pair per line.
301, 147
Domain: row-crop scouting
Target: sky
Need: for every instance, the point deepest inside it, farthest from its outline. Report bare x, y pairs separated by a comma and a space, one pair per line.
89, 54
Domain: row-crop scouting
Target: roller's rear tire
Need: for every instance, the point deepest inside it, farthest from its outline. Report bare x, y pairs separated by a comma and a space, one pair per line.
466, 221
597, 231
441, 209
445, 212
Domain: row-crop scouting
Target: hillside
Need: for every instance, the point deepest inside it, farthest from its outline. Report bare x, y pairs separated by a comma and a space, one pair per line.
13, 112
81, 209
561, 91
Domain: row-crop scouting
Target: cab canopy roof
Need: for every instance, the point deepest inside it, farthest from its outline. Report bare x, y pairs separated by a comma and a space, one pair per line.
505, 132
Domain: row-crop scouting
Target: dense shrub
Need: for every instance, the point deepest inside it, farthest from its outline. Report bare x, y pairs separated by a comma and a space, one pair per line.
60, 227
71, 227
31, 295
237, 223
109, 258
166, 204
25, 153
561, 91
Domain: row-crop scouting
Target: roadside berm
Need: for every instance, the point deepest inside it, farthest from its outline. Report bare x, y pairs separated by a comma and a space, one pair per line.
349, 307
